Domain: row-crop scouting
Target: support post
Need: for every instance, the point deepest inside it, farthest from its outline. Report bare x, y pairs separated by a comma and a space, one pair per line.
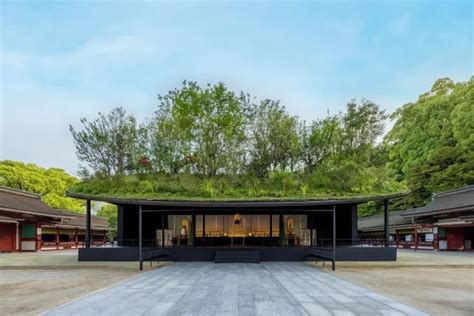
311, 228
57, 238
88, 223
386, 223
333, 237
140, 254
416, 238
193, 227
281, 228
271, 227
163, 229
204, 225
76, 239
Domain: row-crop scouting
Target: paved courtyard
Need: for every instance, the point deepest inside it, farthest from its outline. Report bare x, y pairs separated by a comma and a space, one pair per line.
205, 288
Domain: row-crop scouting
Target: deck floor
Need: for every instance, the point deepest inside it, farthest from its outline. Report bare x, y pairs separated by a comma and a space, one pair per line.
204, 288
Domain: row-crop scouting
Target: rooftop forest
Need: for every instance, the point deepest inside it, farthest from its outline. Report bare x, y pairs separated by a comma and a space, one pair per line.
212, 143
208, 142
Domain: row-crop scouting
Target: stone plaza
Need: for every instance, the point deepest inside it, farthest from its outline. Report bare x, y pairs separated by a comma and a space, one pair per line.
205, 288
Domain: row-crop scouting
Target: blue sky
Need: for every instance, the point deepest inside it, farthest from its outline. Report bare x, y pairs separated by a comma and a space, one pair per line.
61, 61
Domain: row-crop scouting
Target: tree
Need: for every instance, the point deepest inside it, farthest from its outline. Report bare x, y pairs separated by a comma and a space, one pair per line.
430, 146
111, 144
50, 183
207, 125
362, 124
109, 211
320, 142
274, 143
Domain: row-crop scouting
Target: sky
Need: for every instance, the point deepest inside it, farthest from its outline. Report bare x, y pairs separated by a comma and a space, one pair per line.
61, 61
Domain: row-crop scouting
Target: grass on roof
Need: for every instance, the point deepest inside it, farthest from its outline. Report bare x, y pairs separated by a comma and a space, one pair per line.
277, 186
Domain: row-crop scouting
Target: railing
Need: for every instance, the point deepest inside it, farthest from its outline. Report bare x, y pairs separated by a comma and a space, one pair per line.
52, 245
351, 242
249, 241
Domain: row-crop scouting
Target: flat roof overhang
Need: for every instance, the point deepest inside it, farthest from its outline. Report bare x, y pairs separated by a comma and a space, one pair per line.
237, 204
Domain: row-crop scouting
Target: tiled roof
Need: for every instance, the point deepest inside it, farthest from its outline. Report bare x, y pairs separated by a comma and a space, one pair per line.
376, 222
77, 220
6, 219
444, 202
12, 200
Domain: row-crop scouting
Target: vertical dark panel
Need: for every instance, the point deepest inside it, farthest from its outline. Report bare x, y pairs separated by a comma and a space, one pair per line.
271, 225
355, 218
140, 255
120, 224
204, 225
386, 223
163, 229
334, 237
193, 227
282, 229
88, 223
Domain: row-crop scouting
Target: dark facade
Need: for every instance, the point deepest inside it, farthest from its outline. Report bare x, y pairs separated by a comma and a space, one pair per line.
205, 230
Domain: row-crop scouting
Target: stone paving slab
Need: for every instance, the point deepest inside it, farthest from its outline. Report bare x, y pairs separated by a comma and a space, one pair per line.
206, 288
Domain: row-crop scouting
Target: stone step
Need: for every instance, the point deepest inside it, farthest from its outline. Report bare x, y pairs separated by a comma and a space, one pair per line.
237, 256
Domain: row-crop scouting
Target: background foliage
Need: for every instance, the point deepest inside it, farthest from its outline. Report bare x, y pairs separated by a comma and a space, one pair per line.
211, 143
431, 146
50, 183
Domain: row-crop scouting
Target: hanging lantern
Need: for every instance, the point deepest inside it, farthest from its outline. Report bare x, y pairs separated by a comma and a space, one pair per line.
237, 219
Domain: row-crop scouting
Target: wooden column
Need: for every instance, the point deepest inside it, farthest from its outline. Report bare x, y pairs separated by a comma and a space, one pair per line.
163, 229
416, 238
311, 228
76, 238
271, 226
397, 238
386, 223
88, 223
57, 238
140, 254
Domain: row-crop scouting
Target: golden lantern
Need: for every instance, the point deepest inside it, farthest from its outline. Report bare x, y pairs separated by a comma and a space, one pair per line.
237, 219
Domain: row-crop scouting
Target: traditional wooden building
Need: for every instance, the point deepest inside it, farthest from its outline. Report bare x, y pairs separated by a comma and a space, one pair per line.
235, 231
448, 220
446, 223
26, 224
71, 232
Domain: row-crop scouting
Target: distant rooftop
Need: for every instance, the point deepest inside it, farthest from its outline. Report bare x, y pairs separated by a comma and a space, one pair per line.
13, 200
457, 200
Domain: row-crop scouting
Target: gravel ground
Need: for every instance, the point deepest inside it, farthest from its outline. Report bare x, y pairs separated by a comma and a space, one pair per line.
31, 283
438, 283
